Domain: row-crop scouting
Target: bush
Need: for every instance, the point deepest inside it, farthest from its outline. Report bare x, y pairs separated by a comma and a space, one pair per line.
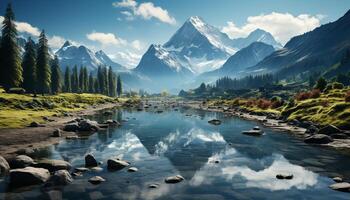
302, 96
276, 102
263, 104
315, 93
347, 97
321, 84
337, 85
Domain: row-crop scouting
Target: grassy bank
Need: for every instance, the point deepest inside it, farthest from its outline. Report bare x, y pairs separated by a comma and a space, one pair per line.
20, 110
329, 107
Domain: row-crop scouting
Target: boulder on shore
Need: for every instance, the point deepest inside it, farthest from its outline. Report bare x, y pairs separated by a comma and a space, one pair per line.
21, 161
329, 129
4, 166
318, 139
28, 176
115, 164
174, 179
88, 125
57, 133
72, 127
53, 165
90, 161
96, 180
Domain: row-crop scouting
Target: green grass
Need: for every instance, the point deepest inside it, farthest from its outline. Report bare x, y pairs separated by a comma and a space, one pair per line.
20, 110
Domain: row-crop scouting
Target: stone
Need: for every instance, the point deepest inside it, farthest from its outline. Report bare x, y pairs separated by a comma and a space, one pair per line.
90, 161
214, 122
4, 166
28, 176
153, 186
61, 177
72, 137
88, 125
112, 122
72, 127
318, 139
174, 179
21, 161
338, 179
35, 124
97, 169
96, 180
53, 165
343, 186
25, 151
283, 176
107, 113
56, 133
339, 136
312, 129
329, 129
81, 169
133, 169
116, 164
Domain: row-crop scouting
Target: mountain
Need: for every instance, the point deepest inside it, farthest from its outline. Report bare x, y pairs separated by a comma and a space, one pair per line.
246, 57
313, 51
70, 55
257, 35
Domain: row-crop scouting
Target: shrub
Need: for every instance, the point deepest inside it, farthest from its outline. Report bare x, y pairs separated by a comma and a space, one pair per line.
290, 103
302, 96
315, 93
276, 102
263, 104
321, 84
347, 97
337, 85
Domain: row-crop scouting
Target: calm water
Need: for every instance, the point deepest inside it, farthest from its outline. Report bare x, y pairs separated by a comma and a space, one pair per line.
182, 142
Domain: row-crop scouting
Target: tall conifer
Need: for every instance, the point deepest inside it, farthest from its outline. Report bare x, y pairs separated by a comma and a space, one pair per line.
42, 65
55, 77
67, 80
29, 67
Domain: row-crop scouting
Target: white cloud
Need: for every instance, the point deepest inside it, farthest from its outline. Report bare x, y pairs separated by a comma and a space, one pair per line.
105, 39
56, 42
127, 58
283, 26
146, 10
136, 44
24, 27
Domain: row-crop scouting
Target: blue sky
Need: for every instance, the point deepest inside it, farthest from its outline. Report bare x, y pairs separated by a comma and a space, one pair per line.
125, 28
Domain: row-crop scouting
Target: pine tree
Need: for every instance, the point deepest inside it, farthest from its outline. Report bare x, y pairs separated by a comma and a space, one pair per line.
91, 84
75, 80
29, 67
321, 84
42, 65
55, 77
111, 82
67, 80
96, 86
10, 66
119, 86
86, 80
81, 80
101, 76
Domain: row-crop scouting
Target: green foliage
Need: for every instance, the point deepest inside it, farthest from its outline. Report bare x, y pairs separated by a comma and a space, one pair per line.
29, 67
67, 81
75, 80
10, 66
91, 83
81, 80
111, 83
337, 85
321, 84
55, 77
43, 69
119, 86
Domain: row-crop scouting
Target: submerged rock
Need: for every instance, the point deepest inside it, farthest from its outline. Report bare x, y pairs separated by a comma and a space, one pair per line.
90, 161
338, 179
174, 179
72, 127
21, 161
214, 122
88, 125
61, 177
53, 165
154, 185
133, 169
96, 180
4, 166
115, 164
81, 169
318, 139
28, 176
343, 186
57, 133
112, 122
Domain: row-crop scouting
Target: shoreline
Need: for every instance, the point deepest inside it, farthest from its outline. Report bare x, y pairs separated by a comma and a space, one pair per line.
29, 138
299, 132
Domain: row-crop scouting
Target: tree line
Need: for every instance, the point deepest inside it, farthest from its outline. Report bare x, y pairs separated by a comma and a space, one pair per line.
247, 82
36, 72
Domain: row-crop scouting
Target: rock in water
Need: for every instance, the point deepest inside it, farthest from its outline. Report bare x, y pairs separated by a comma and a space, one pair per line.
318, 139
282, 176
338, 179
61, 177
56, 133
115, 164
97, 180
72, 127
21, 161
174, 179
88, 125
28, 176
53, 165
343, 186
329, 129
153, 186
133, 169
214, 122
90, 161
4, 166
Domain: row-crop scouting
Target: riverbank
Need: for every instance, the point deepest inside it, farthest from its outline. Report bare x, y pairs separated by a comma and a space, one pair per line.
265, 121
